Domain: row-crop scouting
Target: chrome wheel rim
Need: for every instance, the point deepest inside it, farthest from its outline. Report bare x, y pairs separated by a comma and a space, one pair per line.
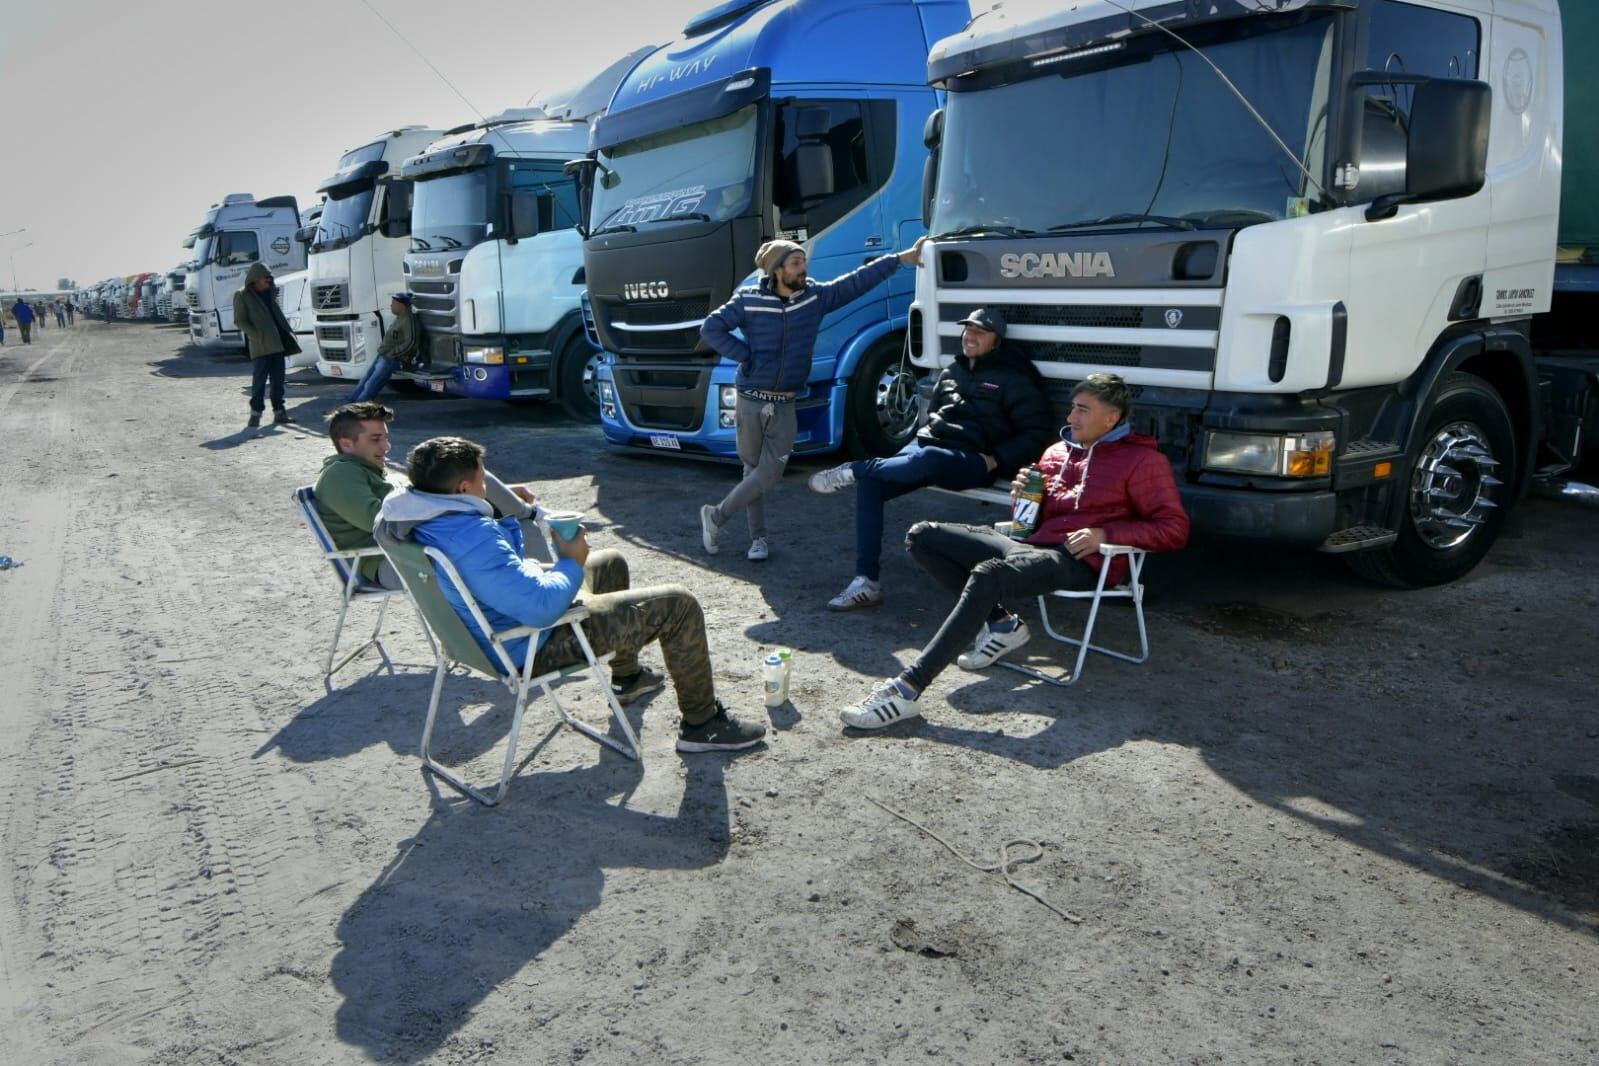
896, 402
591, 378
1452, 488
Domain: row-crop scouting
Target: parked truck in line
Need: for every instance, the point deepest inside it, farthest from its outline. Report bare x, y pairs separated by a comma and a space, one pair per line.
1318, 238
495, 268
766, 118
235, 234
356, 247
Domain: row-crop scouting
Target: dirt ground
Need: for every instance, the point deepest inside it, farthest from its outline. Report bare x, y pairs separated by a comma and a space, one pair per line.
1327, 823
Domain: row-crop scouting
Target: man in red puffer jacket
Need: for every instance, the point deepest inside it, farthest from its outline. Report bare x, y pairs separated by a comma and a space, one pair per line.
1103, 484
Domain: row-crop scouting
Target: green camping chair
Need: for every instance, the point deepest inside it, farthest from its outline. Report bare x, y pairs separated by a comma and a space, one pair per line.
419, 568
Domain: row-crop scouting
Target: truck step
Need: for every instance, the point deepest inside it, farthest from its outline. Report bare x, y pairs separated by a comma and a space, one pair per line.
1358, 538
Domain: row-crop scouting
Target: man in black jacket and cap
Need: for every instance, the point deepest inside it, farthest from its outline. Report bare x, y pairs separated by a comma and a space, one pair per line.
989, 415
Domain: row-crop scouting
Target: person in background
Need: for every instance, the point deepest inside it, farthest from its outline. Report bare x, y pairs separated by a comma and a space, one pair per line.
61, 315
398, 345
23, 313
268, 339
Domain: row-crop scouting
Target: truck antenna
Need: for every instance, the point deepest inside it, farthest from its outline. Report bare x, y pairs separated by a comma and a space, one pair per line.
406, 41
1289, 152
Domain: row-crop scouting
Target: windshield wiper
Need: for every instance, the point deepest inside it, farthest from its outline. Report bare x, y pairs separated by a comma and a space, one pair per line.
623, 228
691, 216
986, 227
453, 243
420, 245
1116, 220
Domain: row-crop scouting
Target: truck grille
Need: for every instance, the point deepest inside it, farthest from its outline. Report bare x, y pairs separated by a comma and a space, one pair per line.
659, 327
334, 341
333, 296
434, 303
193, 300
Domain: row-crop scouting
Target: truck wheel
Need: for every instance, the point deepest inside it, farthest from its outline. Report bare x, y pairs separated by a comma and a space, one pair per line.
578, 382
1456, 496
880, 406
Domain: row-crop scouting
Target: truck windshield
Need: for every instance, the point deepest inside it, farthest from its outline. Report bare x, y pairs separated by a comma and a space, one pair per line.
452, 211
343, 220
704, 171
1154, 132
202, 251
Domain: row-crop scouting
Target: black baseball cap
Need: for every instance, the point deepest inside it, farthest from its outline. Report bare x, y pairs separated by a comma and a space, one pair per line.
403, 297
986, 318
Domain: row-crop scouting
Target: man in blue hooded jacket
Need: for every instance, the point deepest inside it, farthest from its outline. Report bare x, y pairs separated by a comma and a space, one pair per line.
447, 508
22, 311
779, 318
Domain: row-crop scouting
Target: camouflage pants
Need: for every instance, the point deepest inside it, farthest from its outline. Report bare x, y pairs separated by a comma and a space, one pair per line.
623, 620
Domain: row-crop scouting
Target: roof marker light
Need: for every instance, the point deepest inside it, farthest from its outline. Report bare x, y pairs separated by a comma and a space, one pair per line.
735, 86
1081, 53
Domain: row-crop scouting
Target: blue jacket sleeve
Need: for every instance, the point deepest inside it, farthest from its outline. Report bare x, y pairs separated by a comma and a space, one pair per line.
857, 283
500, 578
718, 330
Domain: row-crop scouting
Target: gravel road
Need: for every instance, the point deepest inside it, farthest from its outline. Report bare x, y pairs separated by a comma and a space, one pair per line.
1328, 823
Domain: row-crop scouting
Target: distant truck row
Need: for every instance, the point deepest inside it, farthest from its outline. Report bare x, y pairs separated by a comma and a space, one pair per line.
1324, 240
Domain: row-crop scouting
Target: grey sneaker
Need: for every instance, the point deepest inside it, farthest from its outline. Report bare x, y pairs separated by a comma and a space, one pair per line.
723, 732
758, 552
828, 482
709, 530
631, 689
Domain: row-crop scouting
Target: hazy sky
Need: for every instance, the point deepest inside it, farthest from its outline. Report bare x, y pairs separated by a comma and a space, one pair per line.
124, 122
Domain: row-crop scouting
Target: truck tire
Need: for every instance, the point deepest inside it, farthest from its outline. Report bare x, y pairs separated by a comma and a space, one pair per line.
1456, 490
880, 405
577, 379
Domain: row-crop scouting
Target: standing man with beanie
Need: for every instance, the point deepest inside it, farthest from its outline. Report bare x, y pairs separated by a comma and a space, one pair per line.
268, 338
780, 318
989, 415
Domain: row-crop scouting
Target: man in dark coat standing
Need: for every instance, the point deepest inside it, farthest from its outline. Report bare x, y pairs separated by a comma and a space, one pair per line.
989, 415
268, 338
22, 311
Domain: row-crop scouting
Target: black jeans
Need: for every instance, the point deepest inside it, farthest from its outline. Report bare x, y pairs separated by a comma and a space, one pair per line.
985, 567
262, 369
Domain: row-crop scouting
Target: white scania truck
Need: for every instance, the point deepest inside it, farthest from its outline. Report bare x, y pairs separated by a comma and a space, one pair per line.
495, 268
1318, 237
235, 234
356, 249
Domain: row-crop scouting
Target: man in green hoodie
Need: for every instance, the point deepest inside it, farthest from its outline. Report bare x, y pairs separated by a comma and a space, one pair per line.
268, 339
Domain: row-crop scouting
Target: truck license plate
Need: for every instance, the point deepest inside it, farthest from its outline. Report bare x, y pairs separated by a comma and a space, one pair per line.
665, 440
436, 386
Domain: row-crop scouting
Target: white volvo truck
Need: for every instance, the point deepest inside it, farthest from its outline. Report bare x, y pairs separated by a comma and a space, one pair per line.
356, 249
237, 233
1318, 238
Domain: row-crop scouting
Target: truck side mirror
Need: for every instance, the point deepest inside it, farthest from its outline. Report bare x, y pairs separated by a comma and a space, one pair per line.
813, 157
396, 209
305, 234
932, 139
1446, 151
524, 213
933, 130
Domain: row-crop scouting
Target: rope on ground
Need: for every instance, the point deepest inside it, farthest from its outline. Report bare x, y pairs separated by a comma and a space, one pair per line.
1006, 863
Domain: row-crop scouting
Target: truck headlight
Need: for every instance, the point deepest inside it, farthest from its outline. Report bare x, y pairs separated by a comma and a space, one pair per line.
490, 356
727, 420
1271, 454
729, 397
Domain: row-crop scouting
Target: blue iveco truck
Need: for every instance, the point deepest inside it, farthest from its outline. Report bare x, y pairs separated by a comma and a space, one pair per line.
799, 119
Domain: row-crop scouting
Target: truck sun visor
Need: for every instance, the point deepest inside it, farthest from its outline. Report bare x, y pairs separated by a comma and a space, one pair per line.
681, 109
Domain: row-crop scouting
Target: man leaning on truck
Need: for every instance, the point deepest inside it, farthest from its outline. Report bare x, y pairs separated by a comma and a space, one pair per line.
268, 339
779, 318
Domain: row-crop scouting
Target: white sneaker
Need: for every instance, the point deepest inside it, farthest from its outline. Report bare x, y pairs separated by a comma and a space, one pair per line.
862, 592
709, 530
883, 707
830, 481
757, 552
991, 647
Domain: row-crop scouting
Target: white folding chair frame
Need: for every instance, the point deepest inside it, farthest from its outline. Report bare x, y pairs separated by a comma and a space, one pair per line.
348, 560
1133, 590
519, 682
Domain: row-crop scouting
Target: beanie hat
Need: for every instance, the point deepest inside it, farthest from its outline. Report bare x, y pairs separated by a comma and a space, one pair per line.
772, 254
